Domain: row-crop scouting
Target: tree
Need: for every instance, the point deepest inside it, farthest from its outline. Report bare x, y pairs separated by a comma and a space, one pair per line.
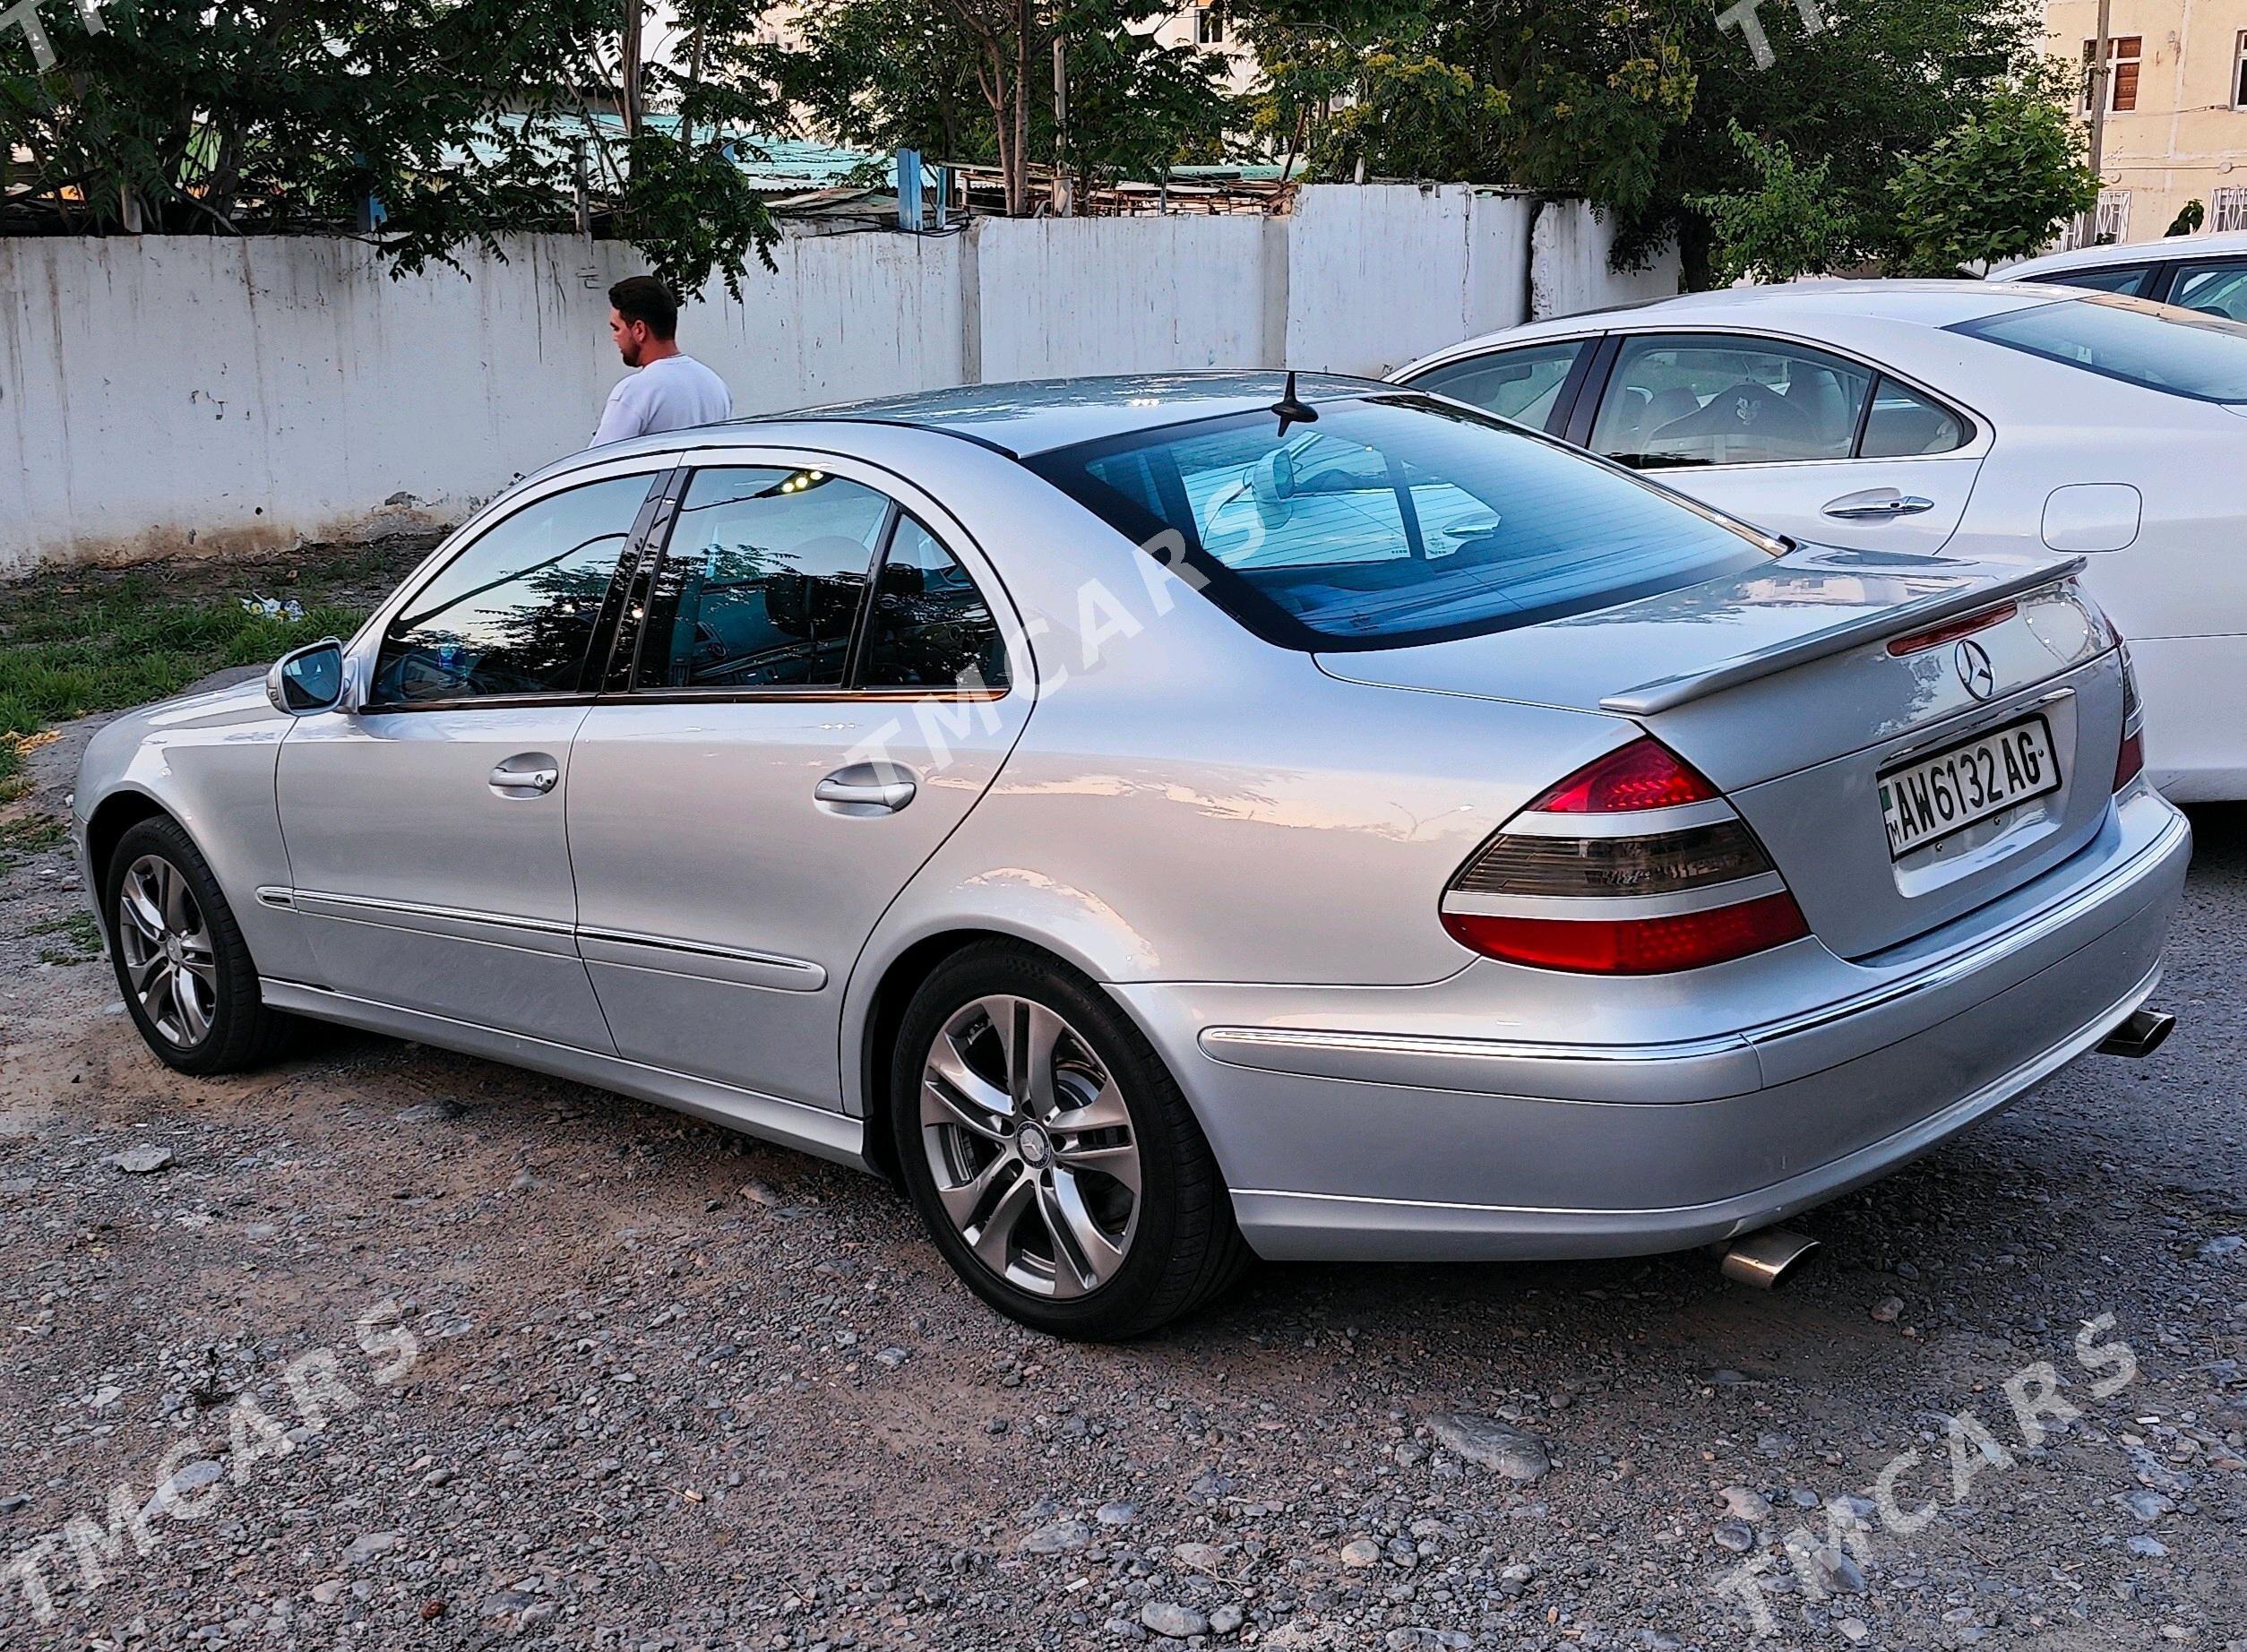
1997, 187
972, 81
1790, 225
424, 124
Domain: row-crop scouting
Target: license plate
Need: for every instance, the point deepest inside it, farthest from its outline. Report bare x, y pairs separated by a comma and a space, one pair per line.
1968, 782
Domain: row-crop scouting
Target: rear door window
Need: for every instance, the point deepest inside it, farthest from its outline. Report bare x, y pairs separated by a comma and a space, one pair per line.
1717, 399
2129, 280
1903, 424
1521, 385
761, 580
2212, 288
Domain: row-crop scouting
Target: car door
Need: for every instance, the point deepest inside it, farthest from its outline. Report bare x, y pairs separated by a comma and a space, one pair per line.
424, 826
826, 682
1790, 438
1533, 384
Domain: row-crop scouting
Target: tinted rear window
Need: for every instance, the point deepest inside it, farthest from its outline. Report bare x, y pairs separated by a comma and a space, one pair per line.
2155, 346
1395, 519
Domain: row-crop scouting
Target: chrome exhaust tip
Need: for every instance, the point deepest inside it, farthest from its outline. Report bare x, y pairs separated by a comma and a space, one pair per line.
1765, 1257
2146, 1031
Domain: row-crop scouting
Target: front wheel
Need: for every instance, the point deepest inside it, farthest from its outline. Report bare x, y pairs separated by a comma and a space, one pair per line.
185, 970
1051, 1155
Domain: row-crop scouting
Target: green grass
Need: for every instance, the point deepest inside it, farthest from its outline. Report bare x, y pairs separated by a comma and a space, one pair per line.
80, 640
25, 835
79, 938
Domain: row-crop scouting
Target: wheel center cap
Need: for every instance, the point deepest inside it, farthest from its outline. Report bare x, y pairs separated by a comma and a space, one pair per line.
1031, 1142
171, 948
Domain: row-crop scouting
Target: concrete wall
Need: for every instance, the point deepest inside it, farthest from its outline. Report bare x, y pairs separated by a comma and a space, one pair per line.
166, 393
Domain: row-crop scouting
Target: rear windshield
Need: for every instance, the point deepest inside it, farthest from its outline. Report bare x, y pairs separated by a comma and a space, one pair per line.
1394, 519
2156, 345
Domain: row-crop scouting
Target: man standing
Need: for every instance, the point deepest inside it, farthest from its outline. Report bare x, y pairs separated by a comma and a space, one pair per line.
670, 391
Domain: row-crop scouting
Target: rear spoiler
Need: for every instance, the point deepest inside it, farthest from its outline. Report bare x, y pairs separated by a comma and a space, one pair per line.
1669, 692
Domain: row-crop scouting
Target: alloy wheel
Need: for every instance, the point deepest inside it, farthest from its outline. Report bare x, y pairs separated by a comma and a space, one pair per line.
1032, 1147
165, 947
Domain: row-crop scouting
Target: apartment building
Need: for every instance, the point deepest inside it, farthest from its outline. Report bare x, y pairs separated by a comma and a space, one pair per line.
2176, 109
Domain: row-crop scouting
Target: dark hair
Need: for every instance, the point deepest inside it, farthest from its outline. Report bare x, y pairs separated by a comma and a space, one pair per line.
643, 298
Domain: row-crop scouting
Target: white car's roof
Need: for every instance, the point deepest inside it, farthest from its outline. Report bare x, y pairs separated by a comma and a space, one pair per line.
1832, 309
2232, 242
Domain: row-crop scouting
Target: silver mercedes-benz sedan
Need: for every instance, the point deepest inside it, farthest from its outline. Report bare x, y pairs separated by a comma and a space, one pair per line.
1163, 819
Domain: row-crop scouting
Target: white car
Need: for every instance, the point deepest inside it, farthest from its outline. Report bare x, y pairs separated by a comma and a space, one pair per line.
2207, 273
1970, 418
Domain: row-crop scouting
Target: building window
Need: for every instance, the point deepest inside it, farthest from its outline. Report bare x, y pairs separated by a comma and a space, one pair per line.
2238, 73
2227, 207
2122, 58
2114, 219
1208, 25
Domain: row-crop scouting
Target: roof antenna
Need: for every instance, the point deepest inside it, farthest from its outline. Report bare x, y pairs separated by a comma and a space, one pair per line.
1291, 410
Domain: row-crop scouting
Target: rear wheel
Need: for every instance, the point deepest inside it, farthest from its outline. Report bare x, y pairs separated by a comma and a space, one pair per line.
185, 970
1051, 1155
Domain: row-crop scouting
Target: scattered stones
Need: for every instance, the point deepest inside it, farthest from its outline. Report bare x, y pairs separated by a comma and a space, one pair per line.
2146, 1505
761, 1194
1199, 1556
1513, 1452
367, 1546
2227, 1245
1836, 1573
1167, 1618
1853, 1630
1116, 1513
1360, 1553
2148, 1548
1887, 1309
1746, 1503
1226, 1619
431, 1112
1416, 1635
1060, 1537
143, 1158
1736, 1535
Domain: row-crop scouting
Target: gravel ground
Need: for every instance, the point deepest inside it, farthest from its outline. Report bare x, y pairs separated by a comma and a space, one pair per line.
435, 1354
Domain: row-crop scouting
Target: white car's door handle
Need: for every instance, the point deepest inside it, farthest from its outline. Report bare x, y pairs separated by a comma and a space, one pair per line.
866, 788
531, 782
1877, 504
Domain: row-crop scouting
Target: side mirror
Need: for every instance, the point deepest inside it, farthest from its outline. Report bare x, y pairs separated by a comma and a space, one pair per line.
308, 680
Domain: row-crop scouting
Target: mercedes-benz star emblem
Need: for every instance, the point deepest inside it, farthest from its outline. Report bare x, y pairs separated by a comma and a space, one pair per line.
1973, 662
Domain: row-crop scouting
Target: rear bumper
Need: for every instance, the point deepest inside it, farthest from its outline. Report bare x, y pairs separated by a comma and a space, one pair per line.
1388, 1123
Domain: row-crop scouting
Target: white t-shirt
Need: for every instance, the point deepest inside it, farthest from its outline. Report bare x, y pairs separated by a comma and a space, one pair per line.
670, 394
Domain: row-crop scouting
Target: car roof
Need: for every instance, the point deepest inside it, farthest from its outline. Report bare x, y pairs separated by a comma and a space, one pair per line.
1817, 308
1037, 416
2232, 242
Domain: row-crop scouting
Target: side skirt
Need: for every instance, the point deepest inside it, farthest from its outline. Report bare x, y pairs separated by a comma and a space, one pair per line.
812, 1129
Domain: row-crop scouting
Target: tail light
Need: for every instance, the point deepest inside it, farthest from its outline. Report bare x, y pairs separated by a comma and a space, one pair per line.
2130, 761
1634, 864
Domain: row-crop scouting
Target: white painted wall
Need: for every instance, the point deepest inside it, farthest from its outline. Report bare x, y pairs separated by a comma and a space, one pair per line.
162, 393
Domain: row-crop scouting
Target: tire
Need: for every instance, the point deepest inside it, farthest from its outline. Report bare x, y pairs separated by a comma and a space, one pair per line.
1044, 1224
201, 1011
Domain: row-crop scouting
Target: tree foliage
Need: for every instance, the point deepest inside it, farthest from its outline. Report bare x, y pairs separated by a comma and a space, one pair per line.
429, 125
1995, 189
972, 81
1790, 224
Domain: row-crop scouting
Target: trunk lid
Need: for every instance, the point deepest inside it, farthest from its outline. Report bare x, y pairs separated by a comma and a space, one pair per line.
1779, 685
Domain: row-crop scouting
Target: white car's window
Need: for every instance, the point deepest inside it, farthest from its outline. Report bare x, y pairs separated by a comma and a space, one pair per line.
1906, 424
1520, 385
762, 580
2213, 289
2129, 280
1394, 518
515, 612
1715, 399
929, 626
2154, 346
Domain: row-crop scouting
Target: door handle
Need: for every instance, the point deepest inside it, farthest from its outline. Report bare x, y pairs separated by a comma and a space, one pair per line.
866, 788
1877, 505
531, 782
